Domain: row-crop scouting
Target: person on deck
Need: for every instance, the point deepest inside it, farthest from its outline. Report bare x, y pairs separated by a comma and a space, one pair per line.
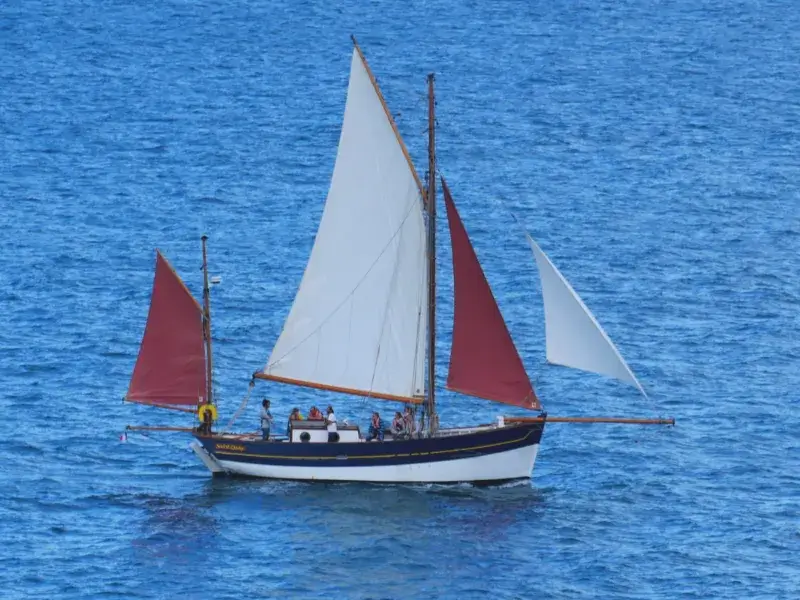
399, 426
408, 418
330, 422
208, 418
266, 419
294, 416
315, 414
375, 428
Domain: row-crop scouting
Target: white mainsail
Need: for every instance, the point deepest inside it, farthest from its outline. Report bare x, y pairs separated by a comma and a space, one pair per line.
574, 338
358, 321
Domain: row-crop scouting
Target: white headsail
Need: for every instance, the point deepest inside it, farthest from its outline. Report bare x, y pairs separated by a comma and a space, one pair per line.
359, 321
574, 338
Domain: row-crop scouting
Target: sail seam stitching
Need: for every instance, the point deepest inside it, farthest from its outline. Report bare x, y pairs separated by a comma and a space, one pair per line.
353, 291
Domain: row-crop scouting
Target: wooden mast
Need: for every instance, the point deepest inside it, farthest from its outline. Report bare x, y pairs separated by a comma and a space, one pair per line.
433, 421
207, 326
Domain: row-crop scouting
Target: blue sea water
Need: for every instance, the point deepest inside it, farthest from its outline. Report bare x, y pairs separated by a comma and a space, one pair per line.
650, 147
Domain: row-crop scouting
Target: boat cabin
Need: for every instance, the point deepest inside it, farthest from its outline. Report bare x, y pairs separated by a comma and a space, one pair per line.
315, 432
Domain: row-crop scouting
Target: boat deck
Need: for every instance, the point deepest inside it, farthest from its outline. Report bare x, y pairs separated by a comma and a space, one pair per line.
320, 430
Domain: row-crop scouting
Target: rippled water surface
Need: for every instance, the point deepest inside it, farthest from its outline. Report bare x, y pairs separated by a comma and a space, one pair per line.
651, 147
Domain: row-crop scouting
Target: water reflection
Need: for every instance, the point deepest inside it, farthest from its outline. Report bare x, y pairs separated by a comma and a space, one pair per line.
341, 509
178, 529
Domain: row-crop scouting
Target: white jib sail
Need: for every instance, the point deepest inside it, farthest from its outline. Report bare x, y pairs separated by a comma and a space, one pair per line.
574, 338
359, 319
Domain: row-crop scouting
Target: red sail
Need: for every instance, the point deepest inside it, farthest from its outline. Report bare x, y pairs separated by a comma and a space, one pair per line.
483, 359
171, 367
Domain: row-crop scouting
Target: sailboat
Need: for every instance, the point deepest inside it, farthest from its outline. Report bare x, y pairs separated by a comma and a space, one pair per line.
363, 323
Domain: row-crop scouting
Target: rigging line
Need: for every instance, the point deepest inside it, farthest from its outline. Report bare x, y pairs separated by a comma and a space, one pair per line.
420, 99
360, 281
383, 322
539, 372
421, 330
241, 408
157, 441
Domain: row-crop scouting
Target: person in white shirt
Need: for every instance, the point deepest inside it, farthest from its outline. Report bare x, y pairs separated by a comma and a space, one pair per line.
330, 421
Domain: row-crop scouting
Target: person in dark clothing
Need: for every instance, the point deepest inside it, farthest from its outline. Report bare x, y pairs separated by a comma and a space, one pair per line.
294, 416
266, 419
399, 426
375, 428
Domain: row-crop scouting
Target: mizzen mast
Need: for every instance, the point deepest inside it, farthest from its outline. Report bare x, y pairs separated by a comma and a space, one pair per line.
433, 421
207, 325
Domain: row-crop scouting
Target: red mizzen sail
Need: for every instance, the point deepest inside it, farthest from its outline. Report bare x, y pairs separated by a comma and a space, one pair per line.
483, 359
171, 367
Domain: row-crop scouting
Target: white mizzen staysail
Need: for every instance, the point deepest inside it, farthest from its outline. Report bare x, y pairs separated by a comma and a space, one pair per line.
574, 338
358, 322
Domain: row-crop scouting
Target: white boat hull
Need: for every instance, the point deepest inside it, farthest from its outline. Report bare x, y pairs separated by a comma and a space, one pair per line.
502, 466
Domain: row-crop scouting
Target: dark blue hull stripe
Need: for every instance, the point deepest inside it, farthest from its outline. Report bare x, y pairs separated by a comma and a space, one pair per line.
362, 454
